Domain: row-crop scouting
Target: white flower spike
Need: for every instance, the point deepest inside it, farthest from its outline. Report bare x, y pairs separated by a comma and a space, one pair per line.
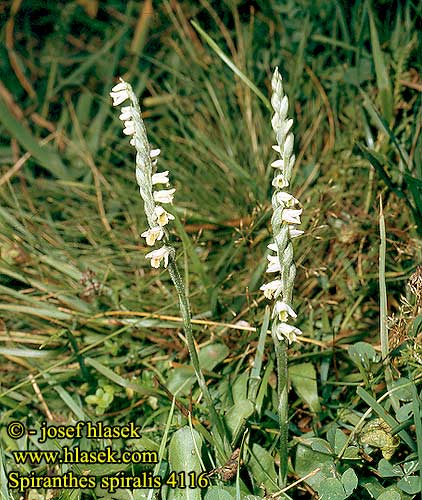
286, 207
146, 159
157, 256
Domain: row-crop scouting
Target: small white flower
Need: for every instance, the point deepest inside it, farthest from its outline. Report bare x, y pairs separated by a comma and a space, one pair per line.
164, 196
292, 162
283, 311
286, 331
294, 233
160, 178
291, 216
273, 267
274, 264
272, 289
283, 107
135, 142
157, 256
288, 146
154, 153
129, 127
287, 125
277, 163
272, 259
162, 216
280, 182
276, 147
119, 93
126, 113
273, 247
152, 235
286, 199
119, 87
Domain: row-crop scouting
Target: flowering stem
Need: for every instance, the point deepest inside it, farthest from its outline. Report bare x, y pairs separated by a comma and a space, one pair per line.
187, 325
285, 218
283, 413
158, 218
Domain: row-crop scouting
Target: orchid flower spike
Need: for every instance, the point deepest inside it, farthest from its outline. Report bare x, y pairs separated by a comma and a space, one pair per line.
286, 218
146, 176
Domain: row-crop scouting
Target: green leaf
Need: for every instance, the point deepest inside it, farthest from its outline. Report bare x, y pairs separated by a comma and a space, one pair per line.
331, 489
349, 480
415, 187
340, 440
389, 495
184, 447
410, 484
403, 389
209, 357
404, 412
117, 379
70, 402
386, 469
217, 493
43, 154
320, 445
373, 487
383, 80
303, 379
237, 415
352, 453
240, 387
261, 464
308, 460
363, 354
417, 326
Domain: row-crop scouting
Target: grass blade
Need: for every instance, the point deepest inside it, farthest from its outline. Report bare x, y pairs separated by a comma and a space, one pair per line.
383, 81
231, 65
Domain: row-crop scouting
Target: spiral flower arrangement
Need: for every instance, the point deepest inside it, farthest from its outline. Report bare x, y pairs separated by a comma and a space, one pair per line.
147, 179
158, 218
284, 221
286, 216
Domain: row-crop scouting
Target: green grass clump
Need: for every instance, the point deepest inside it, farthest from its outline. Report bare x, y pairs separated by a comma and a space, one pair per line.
88, 332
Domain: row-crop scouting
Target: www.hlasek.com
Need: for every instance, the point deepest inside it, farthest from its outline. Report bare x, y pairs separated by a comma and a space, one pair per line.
77, 456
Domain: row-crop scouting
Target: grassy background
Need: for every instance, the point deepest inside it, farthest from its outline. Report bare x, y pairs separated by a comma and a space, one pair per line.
76, 293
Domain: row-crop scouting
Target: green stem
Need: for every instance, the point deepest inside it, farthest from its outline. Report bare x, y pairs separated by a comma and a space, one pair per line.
187, 325
384, 340
283, 413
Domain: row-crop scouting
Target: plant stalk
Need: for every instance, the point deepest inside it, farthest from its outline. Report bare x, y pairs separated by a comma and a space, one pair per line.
187, 325
283, 413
